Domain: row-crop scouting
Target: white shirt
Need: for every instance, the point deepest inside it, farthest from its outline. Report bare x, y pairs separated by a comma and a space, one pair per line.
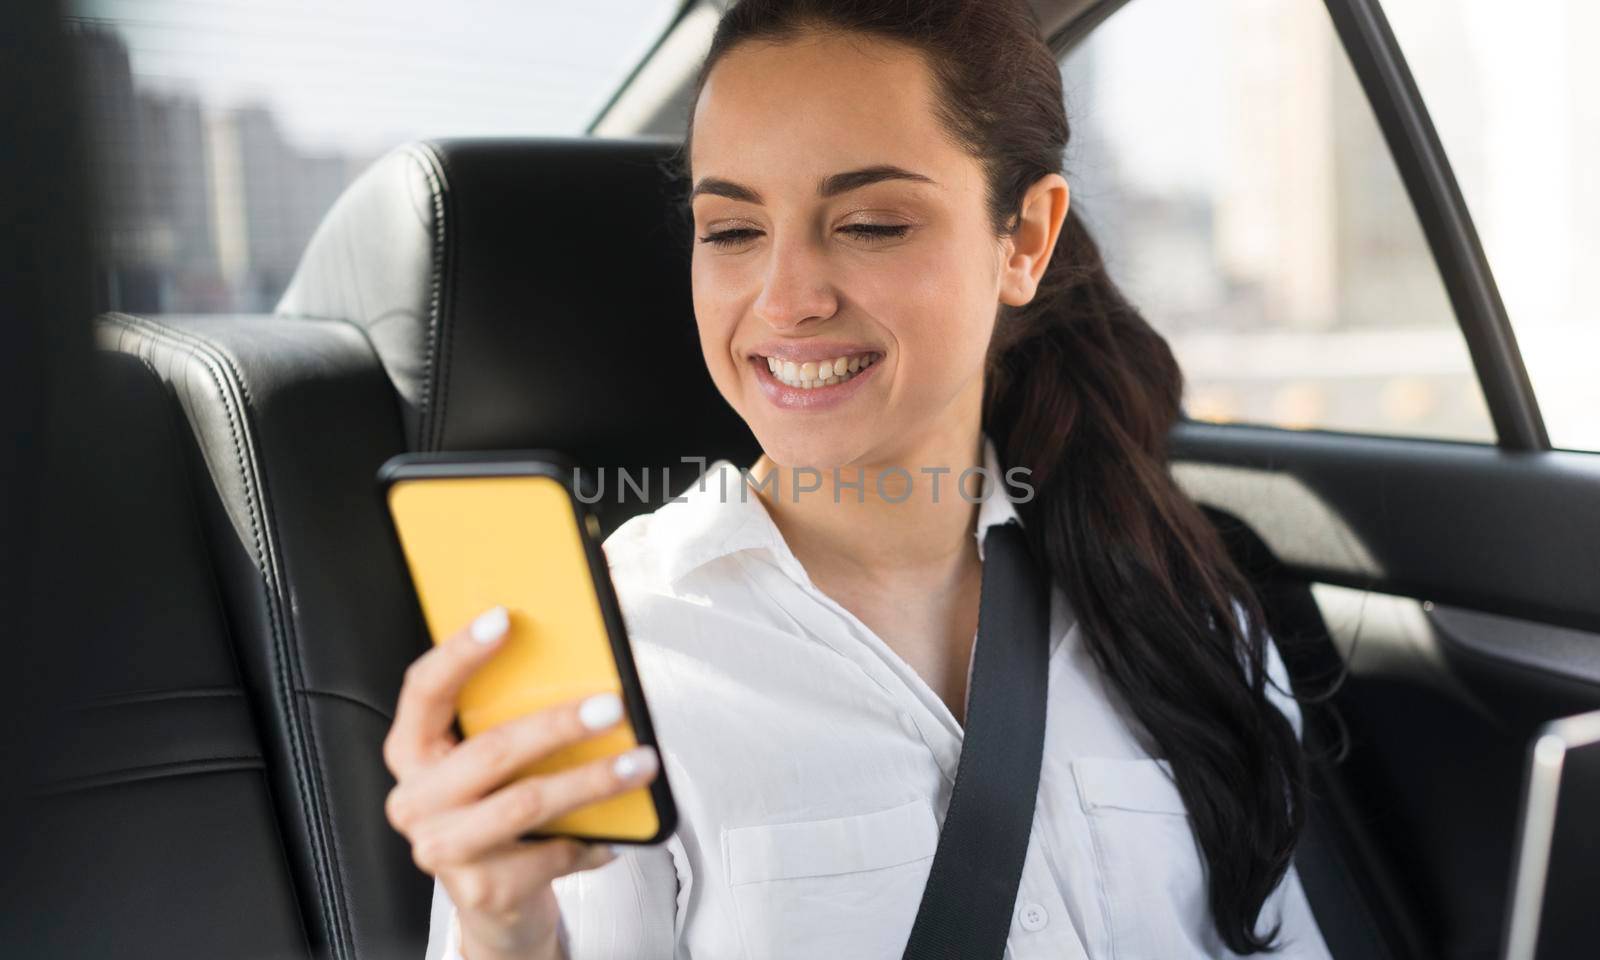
812, 768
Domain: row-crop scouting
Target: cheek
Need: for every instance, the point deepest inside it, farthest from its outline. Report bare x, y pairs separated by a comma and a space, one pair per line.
934, 303
716, 315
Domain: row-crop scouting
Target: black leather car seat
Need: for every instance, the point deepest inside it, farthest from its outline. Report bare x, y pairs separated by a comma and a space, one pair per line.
151, 831
287, 418
527, 293
461, 295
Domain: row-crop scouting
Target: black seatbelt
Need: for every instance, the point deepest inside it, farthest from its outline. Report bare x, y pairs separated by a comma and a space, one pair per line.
972, 883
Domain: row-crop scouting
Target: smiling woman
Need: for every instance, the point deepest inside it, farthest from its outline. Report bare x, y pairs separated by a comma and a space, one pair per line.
888, 282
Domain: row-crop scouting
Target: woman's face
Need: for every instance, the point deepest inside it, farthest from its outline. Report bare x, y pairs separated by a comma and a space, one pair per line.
874, 297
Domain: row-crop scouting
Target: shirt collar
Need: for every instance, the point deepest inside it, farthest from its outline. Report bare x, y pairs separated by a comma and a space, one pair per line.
720, 515
996, 507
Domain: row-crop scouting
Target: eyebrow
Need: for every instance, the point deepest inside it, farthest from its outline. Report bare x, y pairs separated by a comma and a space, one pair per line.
829, 186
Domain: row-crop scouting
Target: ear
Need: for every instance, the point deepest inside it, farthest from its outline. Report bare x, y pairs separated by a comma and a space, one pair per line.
1028, 249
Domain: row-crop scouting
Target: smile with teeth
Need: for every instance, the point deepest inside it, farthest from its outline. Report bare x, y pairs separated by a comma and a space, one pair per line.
822, 373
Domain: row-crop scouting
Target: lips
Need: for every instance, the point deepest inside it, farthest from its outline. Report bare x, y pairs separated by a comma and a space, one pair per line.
800, 385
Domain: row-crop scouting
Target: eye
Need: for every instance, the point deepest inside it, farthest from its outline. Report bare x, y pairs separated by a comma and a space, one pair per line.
728, 238
870, 232
877, 232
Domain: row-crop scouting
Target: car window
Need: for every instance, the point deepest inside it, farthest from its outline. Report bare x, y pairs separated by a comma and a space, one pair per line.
222, 130
1226, 159
1515, 94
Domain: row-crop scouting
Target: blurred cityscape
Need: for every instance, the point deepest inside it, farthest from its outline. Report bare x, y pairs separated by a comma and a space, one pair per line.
1254, 215
201, 210
1226, 157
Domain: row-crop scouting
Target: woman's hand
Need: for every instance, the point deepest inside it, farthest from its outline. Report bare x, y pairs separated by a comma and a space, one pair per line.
462, 809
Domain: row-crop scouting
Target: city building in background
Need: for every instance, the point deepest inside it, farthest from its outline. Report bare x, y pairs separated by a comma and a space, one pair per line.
1225, 157
202, 210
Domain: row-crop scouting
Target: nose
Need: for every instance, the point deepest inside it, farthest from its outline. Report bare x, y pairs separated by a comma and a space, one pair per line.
798, 290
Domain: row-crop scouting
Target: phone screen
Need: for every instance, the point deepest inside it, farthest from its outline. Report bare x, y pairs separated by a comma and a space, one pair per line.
475, 541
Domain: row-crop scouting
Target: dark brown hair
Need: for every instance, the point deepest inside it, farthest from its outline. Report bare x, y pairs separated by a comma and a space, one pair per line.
1082, 391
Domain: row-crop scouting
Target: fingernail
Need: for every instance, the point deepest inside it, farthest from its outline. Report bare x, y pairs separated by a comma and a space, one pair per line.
616, 849
635, 763
491, 625
600, 711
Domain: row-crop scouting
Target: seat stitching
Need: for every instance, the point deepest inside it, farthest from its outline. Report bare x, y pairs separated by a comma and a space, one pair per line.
432, 166
449, 267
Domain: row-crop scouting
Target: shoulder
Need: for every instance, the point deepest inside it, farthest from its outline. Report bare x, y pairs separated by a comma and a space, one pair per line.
644, 559
709, 519
676, 569
633, 552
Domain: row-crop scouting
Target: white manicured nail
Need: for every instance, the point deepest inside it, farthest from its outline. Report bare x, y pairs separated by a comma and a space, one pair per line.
635, 763
491, 625
600, 711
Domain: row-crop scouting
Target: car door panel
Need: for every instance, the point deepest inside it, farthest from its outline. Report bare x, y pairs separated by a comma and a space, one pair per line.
1455, 583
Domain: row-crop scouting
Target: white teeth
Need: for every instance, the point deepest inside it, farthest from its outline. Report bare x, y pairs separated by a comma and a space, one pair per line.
821, 373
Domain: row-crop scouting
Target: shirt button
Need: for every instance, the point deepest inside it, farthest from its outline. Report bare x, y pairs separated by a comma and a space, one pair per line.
1034, 916
908, 724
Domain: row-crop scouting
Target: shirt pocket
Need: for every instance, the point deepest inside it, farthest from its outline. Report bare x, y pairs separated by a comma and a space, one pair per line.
1150, 879
842, 888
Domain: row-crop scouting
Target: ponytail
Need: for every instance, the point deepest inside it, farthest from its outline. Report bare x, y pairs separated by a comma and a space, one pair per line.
1083, 392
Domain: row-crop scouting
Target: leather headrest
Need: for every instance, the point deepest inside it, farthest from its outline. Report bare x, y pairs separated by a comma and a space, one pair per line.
527, 293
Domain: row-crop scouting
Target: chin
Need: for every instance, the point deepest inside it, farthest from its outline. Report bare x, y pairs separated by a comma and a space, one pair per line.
821, 446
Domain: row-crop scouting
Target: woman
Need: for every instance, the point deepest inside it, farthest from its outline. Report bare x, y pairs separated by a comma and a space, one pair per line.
877, 191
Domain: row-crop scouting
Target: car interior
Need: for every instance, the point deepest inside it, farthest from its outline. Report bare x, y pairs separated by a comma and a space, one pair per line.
240, 617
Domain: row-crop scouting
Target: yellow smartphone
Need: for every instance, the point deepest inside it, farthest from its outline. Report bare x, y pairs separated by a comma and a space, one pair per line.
485, 528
